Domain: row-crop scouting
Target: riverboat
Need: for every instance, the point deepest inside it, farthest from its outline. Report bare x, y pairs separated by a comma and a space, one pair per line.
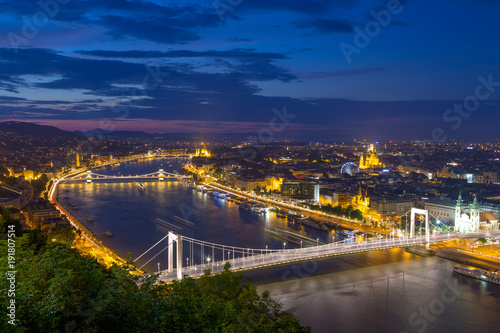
492, 277
281, 214
313, 224
141, 186
183, 221
220, 195
245, 206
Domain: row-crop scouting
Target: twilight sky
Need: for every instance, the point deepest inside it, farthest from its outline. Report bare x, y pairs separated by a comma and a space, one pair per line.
341, 68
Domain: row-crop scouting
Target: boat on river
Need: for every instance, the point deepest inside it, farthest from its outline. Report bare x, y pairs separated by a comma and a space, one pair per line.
281, 214
183, 221
245, 206
141, 186
488, 276
220, 195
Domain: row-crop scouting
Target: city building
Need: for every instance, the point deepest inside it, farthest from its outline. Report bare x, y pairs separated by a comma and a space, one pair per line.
273, 183
473, 219
15, 197
328, 198
370, 160
300, 189
204, 152
44, 216
250, 184
390, 208
441, 208
361, 201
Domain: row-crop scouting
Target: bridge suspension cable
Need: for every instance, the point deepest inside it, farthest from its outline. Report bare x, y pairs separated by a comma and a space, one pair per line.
147, 262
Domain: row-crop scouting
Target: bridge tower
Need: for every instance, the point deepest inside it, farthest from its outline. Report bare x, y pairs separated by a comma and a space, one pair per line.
412, 227
161, 175
89, 176
177, 239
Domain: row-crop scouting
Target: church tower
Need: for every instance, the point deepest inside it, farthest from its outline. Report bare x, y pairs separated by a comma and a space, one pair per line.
474, 213
459, 208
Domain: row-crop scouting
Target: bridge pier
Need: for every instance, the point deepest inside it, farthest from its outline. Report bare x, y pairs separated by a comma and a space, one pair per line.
89, 176
170, 240
415, 211
173, 238
179, 258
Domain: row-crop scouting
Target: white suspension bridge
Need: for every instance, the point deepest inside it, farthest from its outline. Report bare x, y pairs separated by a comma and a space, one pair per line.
160, 175
192, 257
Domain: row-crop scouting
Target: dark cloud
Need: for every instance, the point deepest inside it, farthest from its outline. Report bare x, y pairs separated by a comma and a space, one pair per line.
238, 39
326, 26
236, 53
107, 77
147, 29
299, 6
122, 19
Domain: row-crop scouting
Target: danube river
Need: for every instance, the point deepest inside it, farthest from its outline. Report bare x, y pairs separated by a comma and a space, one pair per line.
132, 215
383, 291
380, 291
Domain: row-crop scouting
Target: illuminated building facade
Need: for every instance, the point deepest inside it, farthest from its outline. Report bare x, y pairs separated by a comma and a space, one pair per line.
473, 219
361, 201
204, 152
300, 189
370, 160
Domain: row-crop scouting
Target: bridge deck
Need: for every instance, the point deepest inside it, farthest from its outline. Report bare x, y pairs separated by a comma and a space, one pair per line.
278, 257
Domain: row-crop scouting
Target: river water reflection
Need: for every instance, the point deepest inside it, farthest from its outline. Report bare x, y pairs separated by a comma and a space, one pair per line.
132, 215
383, 291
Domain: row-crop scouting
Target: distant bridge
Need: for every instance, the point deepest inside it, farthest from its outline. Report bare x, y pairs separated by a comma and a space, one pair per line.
174, 155
192, 257
160, 175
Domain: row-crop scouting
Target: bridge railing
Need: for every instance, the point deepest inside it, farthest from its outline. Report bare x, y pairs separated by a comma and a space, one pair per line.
275, 257
281, 256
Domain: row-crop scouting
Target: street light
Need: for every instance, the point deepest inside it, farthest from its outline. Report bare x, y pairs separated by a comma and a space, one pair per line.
317, 241
300, 244
284, 246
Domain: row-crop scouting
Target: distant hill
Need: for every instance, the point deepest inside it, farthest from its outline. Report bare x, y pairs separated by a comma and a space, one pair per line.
143, 135
31, 129
119, 134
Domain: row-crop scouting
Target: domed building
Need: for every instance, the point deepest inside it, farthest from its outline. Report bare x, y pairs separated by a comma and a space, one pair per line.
204, 152
370, 160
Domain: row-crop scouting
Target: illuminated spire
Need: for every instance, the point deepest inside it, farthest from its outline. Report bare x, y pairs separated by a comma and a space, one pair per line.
460, 203
475, 204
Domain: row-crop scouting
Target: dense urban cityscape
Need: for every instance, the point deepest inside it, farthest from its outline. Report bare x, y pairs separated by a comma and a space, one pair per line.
356, 190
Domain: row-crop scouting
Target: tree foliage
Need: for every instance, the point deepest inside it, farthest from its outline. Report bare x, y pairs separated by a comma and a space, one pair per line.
62, 290
340, 211
39, 184
6, 221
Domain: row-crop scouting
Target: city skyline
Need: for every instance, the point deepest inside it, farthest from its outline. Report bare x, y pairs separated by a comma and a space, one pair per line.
347, 69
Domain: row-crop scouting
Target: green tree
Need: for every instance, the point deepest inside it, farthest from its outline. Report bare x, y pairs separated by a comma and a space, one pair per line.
60, 290
349, 211
357, 214
64, 234
37, 239
39, 184
6, 222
